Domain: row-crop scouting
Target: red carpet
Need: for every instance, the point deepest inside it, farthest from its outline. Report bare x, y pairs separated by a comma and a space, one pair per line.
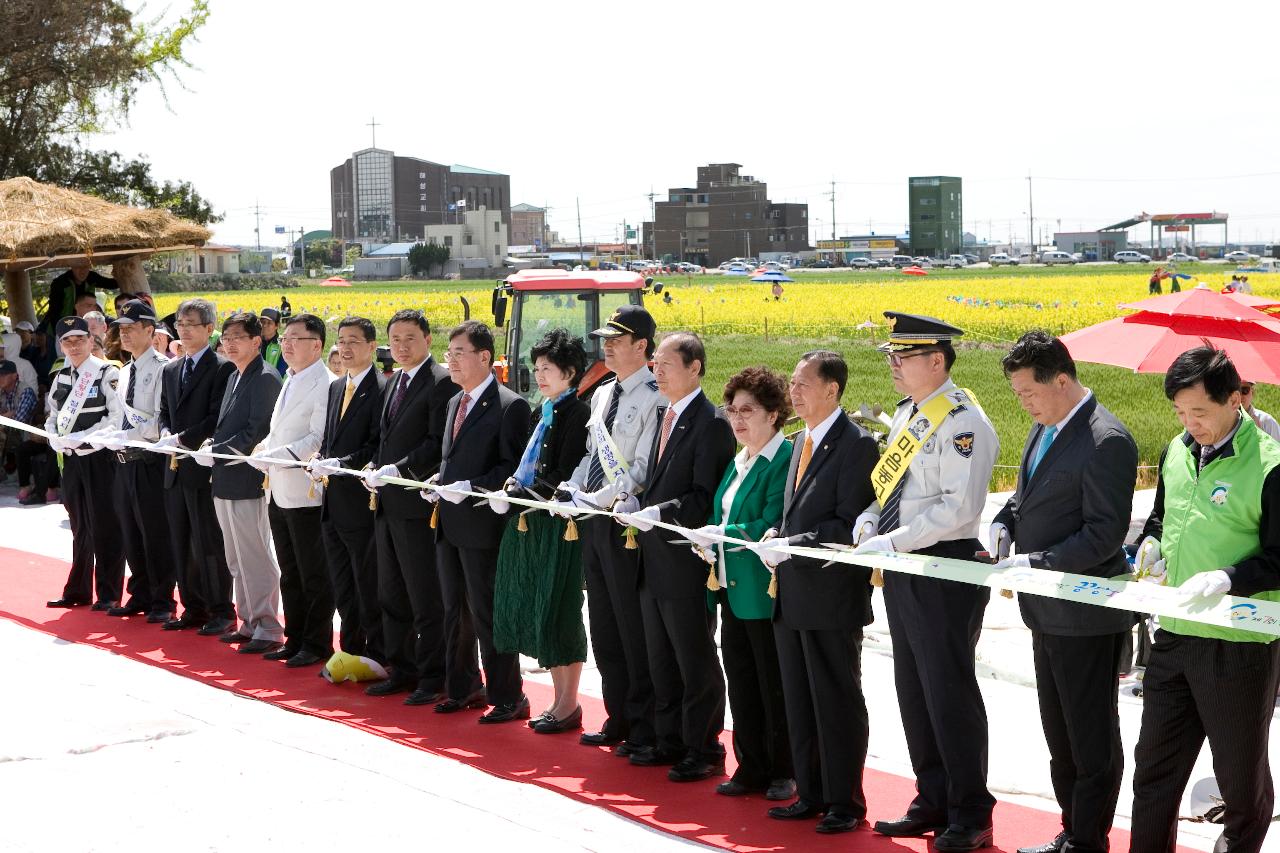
690, 811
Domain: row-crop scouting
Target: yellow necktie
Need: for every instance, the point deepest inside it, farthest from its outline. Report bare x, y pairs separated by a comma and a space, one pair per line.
806, 453
346, 397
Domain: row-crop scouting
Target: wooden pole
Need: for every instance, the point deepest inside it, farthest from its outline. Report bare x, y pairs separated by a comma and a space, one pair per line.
129, 275
17, 293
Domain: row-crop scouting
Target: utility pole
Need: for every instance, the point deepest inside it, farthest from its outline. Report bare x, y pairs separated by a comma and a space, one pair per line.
833, 208
257, 225
653, 227
1031, 213
578, 204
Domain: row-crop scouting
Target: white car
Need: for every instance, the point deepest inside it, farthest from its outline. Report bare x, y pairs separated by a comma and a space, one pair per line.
1000, 259
1051, 258
1240, 257
952, 261
1181, 258
1130, 257
863, 263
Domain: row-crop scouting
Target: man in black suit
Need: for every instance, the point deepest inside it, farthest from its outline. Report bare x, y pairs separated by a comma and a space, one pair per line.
1070, 513
189, 403
692, 449
411, 433
488, 425
820, 611
350, 441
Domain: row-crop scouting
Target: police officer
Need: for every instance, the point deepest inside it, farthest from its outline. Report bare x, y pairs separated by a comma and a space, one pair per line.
930, 487
620, 439
139, 479
83, 394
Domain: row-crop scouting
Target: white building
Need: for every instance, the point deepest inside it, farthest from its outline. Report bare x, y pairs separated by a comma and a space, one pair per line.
480, 236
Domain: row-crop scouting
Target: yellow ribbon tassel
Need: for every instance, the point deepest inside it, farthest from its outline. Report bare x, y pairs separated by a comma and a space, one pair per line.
173, 462
521, 524
1007, 593
571, 531
631, 539
311, 490
435, 516
877, 577
266, 482
713, 580
773, 585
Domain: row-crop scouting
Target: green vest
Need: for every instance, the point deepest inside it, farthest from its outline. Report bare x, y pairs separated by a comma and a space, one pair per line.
1211, 519
271, 354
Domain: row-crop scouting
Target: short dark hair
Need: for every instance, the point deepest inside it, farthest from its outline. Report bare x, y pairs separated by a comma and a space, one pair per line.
310, 322
247, 320
364, 324
477, 334
769, 389
564, 351
1044, 354
88, 294
410, 315
831, 367
1207, 366
690, 347
121, 298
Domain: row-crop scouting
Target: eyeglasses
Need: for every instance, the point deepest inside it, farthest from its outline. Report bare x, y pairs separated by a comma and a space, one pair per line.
184, 325
895, 360
234, 339
451, 354
744, 412
287, 339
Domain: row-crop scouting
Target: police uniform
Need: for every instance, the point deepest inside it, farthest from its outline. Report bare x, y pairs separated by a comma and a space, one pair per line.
612, 571
934, 624
87, 478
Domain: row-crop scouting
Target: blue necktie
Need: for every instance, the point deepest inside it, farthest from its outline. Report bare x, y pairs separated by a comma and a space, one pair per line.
1045, 441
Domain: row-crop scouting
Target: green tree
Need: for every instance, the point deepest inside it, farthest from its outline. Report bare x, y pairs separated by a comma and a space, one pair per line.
420, 257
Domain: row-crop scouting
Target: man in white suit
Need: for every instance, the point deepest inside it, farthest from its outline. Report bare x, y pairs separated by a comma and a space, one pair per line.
294, 506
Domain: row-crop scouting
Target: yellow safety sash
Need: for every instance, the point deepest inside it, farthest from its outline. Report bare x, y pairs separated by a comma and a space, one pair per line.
915, 432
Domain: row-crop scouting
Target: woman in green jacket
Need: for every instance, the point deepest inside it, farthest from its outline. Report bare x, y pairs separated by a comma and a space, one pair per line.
748, 503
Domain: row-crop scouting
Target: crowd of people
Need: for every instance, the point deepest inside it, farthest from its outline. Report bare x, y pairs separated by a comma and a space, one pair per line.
254, 491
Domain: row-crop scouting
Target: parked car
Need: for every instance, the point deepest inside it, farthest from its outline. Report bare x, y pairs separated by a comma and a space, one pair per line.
863, 263
1131, 257
971, 258
1181, 258
822, 264
1001, 259
901, 261
953, 261
1240, 257
1053, 258
922, 261
1027, 258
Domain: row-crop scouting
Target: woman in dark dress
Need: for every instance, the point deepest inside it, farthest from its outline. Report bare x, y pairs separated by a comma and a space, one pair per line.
537, 608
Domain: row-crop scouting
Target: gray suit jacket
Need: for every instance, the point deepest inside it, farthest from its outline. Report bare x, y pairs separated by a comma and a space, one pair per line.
243, 421
1072, 515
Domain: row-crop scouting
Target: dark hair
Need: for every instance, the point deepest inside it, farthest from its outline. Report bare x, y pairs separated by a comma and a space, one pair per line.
310, 322
768, 387
88, 294
477, 334
564, 351
1205, 366
1042, 353
364, 324
122, 297
410, 315
690, 347
831, 367
245, 319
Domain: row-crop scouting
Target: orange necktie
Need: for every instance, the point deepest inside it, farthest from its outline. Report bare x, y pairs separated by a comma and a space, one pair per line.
806, 453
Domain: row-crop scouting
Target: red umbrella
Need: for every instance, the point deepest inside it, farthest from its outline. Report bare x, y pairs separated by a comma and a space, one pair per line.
335, 281
1203, 302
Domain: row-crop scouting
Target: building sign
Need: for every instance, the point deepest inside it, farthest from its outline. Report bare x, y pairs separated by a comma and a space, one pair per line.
833, 244
883, 244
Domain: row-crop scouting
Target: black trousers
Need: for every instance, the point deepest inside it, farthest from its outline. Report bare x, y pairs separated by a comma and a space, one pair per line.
1077, 681
688, 687
34, 460
139, 497
305, 591
617, 630
204, 581
97, 554
1194, 688
826, 715
467, 578
934, 625
409, 598
760, 741
353, 574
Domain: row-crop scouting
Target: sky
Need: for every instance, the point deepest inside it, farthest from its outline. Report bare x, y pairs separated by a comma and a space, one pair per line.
1111, 108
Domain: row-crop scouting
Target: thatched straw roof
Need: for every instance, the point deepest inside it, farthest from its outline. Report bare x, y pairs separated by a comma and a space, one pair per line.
38, 220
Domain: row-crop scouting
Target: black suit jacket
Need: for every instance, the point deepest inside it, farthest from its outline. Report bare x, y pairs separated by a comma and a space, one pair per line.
486, 451
682, 484
243, 423
1073, 514
413, 439
352, 438
192, 414
834, 491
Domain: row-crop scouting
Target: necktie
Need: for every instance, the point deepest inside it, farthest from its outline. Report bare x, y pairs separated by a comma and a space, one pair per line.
346, 397
1045, 441
128, 392
188, 366
1206, 451
668, 421
806, 454
462, 413
595, 471
398, 397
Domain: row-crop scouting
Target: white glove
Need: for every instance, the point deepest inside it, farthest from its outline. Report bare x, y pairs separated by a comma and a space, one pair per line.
167, 444
114, 441
876, 543
768, 552
999, 541
454, 493
374, 479
256, 461
865, 526
1146, 558
1155, 574
643, 519
700, 538
202, 456
324, 467
626, 505
1020, 561
98, 439
1205, 585
429, 495
564, 509
57, 444
497, 504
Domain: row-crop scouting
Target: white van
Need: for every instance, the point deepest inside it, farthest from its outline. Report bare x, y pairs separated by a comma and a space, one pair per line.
1051, 258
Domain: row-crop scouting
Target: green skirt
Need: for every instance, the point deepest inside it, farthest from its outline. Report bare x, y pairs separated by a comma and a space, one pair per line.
537, 599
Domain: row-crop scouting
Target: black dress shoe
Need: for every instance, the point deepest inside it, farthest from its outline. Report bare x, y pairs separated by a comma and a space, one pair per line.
130, 609
216, 627
799, 810
104, 606
234, 637
780, 789
909, 827
183, 622
281, 653
628, 748
257, 647
507, 712
423, 696
651, 756
388, 687
958, 839
1053, 846
695, 769
549, 725
304, 658
65, 603
545, 715
734, 788
159, 617
453, 706
835, 822
596, 738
